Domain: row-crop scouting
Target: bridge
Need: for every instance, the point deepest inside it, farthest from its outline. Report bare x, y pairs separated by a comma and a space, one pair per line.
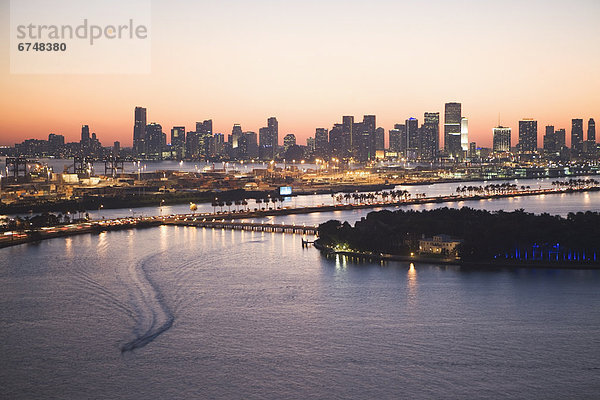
241, 225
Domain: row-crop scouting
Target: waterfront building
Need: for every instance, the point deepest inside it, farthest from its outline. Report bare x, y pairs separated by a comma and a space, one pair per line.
339, 142
56, 143
439, 245
550, 143
527, 136
366, 138
251, 145
413, 138
139, 131
347, 129
217, 145
288, 141
321, 143
310, 145
379, 139
464, 134
472, 150
85, 138
431, 135
268, 139
178, 141
576, 136
397, 137
591, 132
452, 129
590, 146
561, 139
501, 139
155, 141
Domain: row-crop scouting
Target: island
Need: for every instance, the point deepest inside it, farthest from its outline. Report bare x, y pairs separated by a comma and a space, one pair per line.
468, 237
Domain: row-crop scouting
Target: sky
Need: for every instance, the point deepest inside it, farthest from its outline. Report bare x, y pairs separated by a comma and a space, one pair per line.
309, 62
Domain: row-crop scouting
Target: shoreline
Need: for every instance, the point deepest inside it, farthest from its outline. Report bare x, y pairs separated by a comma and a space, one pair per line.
93, 202
139, 222
475, 265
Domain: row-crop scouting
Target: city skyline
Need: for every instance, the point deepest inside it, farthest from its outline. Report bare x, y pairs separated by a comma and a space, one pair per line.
510, 59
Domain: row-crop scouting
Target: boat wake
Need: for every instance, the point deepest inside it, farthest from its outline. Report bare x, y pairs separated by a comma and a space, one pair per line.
153, 316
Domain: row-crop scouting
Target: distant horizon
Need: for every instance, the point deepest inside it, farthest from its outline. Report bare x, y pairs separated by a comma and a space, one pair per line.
310, 62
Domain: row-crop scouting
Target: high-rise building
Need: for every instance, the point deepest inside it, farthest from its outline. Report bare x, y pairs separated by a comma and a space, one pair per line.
347, 129
501, 139
273, 126
452, 129
339, 142
289, 140
251, 145
413, 138
204, 132
217, 145
431, 127
85, 137
139, 131
591, 132
550, 145
321, 143
398, 139
464, 134
178, 141
155, 141
268, 139
55, 143
367, 139
590, 147
379, 139
472, 150
310, 145
577, 136
561, 139
527, 136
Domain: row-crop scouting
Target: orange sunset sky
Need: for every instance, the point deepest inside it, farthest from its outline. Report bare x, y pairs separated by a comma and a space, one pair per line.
310, 62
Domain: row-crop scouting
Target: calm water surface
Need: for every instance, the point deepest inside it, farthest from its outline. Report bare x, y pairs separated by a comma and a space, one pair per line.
176, 312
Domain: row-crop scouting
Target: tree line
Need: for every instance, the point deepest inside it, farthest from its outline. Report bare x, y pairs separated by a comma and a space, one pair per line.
486, 235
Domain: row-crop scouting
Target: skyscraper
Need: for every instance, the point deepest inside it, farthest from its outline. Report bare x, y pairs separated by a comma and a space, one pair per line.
379, 139
464, 134
577, 136
561, 138
155, 140
289, 140
178, 141
431, 132
139, 131
273, 126
85, 136
339, 142
590, 147
502, 139
550, 140
452, 129
347, 129
321, 143
591, 132
527, 136
413, 138
398, 139
268, 138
